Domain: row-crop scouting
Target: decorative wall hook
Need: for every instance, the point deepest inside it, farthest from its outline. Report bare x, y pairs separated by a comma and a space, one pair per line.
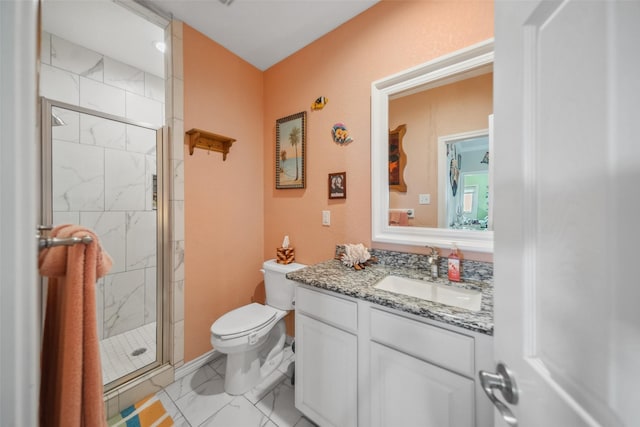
209, 141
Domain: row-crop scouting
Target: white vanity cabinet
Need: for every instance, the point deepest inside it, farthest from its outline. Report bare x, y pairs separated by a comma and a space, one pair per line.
361, 363
421, 375
326, 388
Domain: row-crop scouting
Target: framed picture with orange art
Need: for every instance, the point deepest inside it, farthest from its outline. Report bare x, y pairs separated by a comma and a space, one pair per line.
397, 159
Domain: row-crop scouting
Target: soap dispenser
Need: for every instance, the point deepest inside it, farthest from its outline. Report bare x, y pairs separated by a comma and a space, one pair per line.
453, 264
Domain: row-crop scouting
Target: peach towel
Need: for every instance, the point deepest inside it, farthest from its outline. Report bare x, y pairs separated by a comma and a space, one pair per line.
398, 218
71, 392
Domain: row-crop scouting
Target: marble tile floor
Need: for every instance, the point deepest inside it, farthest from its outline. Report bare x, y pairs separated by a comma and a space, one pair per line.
118, 353
198, 399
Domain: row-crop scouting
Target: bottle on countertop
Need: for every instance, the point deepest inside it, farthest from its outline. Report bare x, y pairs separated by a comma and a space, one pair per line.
432, 259
453, 263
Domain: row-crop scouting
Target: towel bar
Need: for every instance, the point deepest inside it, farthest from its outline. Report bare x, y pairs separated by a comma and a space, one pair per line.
50, 242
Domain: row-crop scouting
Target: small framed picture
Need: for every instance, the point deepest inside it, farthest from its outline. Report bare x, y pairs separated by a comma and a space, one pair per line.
338, 185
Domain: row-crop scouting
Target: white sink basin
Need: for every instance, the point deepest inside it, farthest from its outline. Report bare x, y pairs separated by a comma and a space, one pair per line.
443, 294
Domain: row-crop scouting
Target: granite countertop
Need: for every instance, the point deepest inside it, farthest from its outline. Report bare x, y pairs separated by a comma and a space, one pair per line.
334, 276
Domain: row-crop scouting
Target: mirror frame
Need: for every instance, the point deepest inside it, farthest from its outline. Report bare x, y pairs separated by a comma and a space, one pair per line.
462, 64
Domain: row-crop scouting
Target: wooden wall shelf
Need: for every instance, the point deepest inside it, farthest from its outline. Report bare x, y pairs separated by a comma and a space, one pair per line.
209, 141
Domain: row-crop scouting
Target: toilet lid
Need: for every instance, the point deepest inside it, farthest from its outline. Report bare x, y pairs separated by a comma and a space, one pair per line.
243, 319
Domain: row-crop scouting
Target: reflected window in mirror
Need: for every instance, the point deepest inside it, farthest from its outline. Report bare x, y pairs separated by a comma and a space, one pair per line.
464, 195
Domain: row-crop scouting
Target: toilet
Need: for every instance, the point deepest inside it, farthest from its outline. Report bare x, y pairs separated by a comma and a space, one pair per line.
253, 336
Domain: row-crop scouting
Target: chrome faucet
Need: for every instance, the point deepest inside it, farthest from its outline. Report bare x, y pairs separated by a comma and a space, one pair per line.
432, 261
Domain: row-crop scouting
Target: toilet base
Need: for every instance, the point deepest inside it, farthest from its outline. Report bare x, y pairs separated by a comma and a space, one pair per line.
248, 368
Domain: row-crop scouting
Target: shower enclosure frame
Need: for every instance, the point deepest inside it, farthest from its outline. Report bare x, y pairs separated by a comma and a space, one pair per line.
162, 223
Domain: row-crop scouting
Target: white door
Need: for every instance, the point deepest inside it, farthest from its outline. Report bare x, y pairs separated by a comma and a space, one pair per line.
326, 383
567, 292
19, 320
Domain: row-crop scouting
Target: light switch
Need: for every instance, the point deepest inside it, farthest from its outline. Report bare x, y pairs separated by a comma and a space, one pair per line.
424, 199
326, 217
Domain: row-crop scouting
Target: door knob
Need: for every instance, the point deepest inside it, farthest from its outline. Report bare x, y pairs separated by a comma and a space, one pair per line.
504, 381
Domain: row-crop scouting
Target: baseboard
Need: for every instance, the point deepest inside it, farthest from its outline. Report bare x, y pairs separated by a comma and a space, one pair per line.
196, 363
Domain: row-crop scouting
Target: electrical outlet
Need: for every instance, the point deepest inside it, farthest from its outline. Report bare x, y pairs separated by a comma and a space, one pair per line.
326, 217
424, 199
411, 213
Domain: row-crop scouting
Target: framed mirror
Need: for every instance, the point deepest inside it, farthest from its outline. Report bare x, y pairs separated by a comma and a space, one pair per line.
435, 217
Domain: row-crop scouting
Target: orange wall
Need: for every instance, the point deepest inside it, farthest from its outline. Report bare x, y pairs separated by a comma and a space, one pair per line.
455, 108
224, 209
234, 217
388, 38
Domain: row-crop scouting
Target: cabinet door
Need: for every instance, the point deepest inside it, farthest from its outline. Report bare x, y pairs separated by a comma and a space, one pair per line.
326, 373
406, 391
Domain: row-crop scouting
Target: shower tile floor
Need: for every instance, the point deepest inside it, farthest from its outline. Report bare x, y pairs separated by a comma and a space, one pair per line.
198, 399
118, 353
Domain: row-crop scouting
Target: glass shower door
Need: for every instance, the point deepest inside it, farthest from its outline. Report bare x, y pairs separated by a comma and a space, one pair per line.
99, 171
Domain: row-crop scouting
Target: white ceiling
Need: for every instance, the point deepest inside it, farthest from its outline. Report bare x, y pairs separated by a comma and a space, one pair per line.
107, 28
262, 32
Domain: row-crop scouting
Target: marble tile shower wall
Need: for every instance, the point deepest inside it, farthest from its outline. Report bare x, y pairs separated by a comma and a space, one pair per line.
104, 171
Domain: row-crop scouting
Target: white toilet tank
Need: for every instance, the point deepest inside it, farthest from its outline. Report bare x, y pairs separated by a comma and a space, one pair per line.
280, 290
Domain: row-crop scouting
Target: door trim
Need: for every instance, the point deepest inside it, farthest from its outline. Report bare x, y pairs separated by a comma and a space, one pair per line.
19, 320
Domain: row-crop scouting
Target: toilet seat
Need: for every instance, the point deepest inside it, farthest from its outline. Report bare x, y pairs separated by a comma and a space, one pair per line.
244, 320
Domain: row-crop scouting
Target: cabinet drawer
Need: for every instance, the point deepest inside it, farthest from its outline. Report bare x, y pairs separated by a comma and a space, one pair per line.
333, 310
430, 343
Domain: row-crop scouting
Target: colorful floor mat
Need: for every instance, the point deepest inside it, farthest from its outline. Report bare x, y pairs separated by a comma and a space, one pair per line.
149, 412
